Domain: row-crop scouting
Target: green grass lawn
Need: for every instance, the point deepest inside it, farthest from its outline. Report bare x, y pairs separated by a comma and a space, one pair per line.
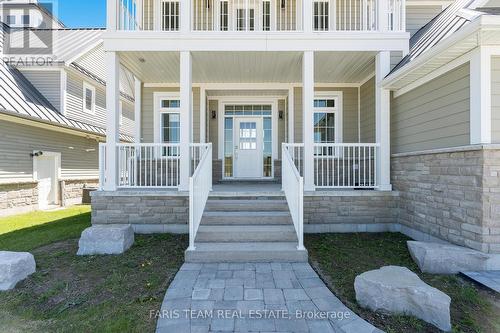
339, 258
84, 294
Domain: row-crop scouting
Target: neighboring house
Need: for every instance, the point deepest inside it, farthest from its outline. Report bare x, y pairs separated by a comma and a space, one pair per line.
52, 118
270, 90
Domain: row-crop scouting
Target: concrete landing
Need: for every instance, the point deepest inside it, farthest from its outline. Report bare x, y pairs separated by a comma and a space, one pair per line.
260, 297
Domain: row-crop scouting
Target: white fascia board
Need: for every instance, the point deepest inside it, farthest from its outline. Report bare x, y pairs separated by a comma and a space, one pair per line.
324, 41
487, 22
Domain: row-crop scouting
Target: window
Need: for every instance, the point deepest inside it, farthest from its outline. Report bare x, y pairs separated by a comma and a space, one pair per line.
224, 16
170, 15
325, 124
243, 22
248, 136
88, 98
26, 20
11, 19
321, 15
170, 131
266, 15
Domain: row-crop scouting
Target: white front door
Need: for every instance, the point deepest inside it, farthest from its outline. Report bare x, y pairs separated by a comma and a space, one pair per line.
46, 171
248, 147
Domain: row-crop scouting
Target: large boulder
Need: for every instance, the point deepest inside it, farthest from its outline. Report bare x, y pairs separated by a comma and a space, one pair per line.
397, 290
106, 239
15, 267
437, 258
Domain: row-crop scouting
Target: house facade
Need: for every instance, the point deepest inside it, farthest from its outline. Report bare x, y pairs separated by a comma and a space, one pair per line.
233, 97
52, 111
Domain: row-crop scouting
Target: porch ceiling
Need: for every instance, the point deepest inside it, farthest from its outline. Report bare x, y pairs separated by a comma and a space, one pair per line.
250, 67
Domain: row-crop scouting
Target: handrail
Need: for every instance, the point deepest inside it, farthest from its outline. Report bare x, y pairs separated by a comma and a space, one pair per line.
200, 185
293, 186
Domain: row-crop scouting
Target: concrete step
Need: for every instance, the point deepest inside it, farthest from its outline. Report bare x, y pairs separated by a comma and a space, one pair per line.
246, 218
246, 205
246, 252
246, 233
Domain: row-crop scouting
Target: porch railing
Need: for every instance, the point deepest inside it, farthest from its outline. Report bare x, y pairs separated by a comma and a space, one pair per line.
260, 15
349, 165
148, 165
293, 186
200, 185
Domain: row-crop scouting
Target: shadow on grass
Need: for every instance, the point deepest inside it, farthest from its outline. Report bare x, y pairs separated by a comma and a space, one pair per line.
33, 237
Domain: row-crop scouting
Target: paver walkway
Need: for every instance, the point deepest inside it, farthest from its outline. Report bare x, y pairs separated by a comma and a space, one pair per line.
267, 297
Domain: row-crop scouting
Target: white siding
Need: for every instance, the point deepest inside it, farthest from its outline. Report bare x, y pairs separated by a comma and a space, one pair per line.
495, 99
418, 16
79, 155
435, 115
48, 83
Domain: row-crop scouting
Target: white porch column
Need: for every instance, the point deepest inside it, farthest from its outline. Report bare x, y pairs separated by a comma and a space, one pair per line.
203, 115
185, 16
308, 110
307, 14
383, 15
112, 119
480, 96
186, 88
111, 18
137, 110
383, 121
291, 115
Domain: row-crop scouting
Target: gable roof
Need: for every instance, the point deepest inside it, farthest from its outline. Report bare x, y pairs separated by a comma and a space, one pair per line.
448, 22
19, 98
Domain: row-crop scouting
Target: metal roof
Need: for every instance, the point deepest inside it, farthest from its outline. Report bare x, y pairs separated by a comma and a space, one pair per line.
449, 21
18, 97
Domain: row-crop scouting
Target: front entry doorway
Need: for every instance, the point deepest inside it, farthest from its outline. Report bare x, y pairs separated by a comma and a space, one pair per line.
248, 151
248, 132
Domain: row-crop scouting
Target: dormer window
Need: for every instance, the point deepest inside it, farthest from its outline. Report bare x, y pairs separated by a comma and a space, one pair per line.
26, 20
88, 98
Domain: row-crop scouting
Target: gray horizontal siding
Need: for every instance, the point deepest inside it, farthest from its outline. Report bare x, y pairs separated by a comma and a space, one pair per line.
74, 105
79, 156
495, 99
48, 83
367, 111
418, 16
434, 115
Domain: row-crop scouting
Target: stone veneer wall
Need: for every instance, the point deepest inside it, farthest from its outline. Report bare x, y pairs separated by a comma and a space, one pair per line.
18, 198
148, 212
451, 194
72, 190
350, 211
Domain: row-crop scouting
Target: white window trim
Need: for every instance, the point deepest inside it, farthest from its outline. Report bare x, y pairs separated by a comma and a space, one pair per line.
92, 88
121, 113
338, 110
158, 111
